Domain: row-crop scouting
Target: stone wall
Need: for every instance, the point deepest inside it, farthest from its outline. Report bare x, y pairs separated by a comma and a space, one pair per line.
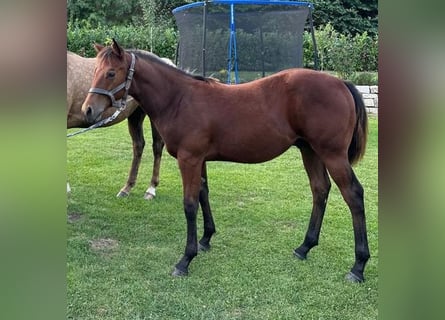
370, 96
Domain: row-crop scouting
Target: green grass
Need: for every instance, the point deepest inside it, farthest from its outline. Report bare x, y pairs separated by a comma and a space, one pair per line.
261, 213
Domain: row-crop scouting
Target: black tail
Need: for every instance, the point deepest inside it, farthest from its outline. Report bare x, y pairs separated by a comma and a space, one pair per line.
358, 143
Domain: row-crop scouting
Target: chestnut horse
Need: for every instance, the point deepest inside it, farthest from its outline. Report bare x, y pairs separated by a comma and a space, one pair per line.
203, 120
79, 76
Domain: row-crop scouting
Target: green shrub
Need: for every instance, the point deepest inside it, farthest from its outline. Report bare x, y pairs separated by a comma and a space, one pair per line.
364, 78
341, 53
161, 41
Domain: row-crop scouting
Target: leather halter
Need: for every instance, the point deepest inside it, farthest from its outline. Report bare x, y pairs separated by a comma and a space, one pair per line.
121, 103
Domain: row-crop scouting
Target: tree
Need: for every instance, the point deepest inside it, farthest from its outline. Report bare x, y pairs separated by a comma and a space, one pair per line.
102, 12
347, 16
121, 12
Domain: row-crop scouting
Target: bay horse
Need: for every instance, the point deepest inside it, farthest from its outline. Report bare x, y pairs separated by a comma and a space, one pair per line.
79, 76
204, 120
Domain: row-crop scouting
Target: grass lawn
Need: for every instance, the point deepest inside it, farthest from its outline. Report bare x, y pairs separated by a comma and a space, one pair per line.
120, 251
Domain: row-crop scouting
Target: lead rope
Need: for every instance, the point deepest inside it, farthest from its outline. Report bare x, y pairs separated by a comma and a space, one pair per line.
97, 124
123, 100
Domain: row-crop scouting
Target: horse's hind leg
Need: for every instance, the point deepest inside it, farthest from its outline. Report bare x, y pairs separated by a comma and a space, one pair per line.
158, 146
209, 225
135, 128
320, 186
352, 192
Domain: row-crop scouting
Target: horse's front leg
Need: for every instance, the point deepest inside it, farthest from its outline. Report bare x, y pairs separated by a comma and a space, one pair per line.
191, 181
136, 130
158, 146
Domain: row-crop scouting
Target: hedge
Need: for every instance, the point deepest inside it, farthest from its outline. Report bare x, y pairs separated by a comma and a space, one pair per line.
161, 41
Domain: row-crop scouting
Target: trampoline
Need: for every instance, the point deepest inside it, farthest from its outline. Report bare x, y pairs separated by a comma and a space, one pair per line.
239, 40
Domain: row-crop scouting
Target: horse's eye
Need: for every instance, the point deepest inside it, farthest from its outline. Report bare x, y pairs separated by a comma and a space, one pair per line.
111, 74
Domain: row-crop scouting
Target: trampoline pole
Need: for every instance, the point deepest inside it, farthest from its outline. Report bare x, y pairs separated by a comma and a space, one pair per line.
229, 61
177, 53
231, 45
235, 57
311, 24
204, 32
262, 50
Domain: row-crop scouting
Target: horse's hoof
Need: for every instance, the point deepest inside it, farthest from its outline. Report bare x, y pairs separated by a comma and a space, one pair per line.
202, 247
179, 273
150, 193
149, 196
353, 278
300, 255
122, 194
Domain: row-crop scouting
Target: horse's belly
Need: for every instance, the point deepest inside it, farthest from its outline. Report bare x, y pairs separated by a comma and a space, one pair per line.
255, 150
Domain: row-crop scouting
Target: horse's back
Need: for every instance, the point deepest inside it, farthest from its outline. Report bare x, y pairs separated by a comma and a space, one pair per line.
298, 94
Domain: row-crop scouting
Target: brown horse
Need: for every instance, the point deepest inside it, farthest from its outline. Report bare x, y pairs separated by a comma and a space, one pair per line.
203, 120
79, 76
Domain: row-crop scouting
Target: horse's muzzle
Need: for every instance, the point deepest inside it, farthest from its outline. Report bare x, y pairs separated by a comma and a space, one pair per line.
91, 116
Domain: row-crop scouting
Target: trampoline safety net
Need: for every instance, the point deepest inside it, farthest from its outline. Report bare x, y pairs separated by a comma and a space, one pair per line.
239, 41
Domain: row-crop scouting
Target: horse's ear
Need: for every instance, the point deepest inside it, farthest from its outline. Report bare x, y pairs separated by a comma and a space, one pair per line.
98, 47
117, 49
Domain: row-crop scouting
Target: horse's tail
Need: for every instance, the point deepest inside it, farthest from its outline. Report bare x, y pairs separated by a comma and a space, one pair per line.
358, 143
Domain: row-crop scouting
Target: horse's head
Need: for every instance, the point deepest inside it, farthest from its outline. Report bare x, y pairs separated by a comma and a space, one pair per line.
110, 83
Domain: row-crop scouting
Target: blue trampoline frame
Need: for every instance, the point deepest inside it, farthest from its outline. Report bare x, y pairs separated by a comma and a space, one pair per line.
232, 52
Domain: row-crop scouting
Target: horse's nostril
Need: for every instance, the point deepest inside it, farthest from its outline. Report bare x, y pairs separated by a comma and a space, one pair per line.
89, 111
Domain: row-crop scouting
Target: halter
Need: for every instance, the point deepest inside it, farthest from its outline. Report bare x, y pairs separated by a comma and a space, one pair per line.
120, 104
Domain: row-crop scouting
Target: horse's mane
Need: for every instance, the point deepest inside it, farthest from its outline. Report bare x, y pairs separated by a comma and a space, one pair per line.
145, 55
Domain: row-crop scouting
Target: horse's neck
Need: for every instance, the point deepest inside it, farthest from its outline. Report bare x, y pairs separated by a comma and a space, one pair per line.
156, 87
